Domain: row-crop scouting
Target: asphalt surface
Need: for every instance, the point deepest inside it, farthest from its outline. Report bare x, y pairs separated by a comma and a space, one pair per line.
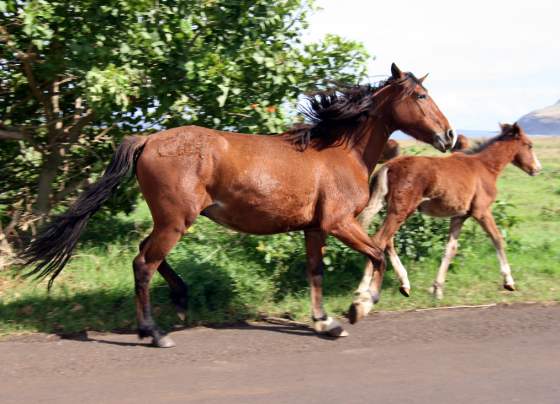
503, 354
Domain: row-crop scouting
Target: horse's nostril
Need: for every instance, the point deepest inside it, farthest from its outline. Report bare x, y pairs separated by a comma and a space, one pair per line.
451, 137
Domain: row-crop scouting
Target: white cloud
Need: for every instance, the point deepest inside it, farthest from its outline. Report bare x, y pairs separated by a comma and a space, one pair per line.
488, 60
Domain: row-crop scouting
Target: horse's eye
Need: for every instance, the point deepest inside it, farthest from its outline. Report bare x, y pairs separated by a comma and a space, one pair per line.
530, 146
420, 96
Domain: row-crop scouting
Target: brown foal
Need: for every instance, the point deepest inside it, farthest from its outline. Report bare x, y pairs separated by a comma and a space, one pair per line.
312, 178
460, 186
392, 149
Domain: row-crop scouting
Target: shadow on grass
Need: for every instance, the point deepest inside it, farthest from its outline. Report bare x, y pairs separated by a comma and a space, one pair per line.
214, 299
106, 229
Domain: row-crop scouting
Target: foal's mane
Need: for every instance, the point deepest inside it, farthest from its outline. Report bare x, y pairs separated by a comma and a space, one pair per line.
507, 133
335, 115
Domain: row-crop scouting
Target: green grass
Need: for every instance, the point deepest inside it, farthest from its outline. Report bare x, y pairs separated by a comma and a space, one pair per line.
234, 277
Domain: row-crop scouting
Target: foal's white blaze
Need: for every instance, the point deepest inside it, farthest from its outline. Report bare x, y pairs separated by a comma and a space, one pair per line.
538, 165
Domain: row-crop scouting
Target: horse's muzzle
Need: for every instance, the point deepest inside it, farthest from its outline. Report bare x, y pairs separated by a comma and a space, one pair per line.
445, 141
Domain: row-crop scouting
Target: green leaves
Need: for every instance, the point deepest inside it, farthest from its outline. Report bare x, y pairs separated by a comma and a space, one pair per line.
139, 65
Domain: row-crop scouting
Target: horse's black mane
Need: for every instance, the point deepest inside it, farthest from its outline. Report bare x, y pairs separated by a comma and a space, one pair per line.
334, 115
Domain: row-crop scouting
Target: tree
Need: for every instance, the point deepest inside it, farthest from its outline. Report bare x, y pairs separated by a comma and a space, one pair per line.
77, 76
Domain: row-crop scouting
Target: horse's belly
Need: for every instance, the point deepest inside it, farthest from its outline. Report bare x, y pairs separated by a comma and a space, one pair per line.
443, 208
252, 219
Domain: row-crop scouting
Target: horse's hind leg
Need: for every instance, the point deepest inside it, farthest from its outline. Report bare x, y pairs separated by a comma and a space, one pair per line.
450, 251
178, 288
399, 268
151, 256
489, 225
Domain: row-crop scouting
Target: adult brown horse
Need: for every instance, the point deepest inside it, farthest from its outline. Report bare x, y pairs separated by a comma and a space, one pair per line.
312, 178
467, 189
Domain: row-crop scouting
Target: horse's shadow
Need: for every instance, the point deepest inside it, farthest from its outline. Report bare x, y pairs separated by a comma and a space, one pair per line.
301, 330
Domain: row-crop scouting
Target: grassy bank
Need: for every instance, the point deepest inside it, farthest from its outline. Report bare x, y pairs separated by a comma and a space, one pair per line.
235, 277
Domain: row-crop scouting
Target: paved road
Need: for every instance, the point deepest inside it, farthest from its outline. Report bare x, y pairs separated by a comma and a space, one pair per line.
504, 354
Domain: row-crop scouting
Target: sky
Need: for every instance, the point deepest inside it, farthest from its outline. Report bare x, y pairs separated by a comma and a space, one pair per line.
489, 61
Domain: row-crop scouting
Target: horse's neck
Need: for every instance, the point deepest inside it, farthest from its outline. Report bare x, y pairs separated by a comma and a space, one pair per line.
497, 156
372, 142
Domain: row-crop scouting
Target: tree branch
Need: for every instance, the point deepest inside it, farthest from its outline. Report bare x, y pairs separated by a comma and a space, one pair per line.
11, 135
33, 85
73, 132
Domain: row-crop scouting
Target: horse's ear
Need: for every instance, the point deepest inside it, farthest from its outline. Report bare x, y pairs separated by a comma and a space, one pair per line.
395, 71
421, 79
505, 127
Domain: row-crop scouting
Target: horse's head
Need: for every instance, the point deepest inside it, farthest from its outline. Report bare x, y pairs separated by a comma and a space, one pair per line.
524, 157
414, 112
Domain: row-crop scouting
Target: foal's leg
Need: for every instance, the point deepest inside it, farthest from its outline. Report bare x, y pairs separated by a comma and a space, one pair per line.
151, 256
315, 244
178, 289
489, 225
450, 251
400, 270
396, 216
351, 233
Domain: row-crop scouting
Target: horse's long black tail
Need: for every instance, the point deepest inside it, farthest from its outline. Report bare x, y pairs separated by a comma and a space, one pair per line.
49, 252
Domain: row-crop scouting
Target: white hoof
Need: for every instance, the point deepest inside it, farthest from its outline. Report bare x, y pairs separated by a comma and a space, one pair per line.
330, 326
164, 342
509, 283
365, 301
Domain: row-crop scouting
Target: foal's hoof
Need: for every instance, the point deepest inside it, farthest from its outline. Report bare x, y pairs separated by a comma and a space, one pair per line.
330, 327
361, 306
510, 287
356, 312
164, 342
404, 291
181, 313
436, 291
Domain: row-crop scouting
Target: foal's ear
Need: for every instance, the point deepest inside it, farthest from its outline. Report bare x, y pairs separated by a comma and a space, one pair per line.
505, 127
516, 129
396, 72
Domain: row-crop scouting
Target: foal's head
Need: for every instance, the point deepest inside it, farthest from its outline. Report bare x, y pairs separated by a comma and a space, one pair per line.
414, 112
524, 157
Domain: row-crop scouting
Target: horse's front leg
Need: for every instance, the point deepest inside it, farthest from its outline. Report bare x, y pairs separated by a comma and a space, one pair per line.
351, 233
323, 324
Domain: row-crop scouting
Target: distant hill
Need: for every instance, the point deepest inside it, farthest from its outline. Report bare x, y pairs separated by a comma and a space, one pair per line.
545, 121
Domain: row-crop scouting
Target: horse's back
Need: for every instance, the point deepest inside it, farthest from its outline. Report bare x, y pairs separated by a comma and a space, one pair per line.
447, 185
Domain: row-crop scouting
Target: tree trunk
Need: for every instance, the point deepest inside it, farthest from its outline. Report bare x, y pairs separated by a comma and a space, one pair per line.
46, 180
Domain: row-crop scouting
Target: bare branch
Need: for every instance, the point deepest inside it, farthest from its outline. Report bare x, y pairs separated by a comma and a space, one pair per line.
73, 132
33, 85
69, 188
11, 135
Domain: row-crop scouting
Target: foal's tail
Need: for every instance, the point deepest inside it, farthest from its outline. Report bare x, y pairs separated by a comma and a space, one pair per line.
378, 189
49, 252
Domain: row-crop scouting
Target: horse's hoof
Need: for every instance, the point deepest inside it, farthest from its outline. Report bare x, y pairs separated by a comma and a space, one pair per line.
164, 342
182, 314
356, 312
330, 327
404, 291
510, 287
437, 293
